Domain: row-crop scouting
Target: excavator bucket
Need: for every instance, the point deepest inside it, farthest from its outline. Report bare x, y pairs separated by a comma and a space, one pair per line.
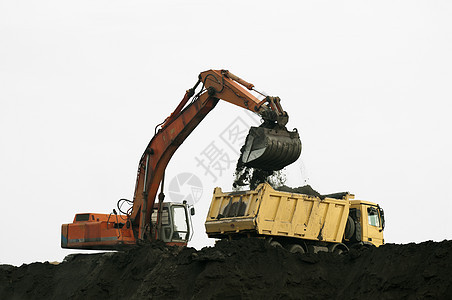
271, 149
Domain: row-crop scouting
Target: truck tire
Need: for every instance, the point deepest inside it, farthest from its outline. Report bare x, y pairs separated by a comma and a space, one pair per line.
295, 248
276, 244
338, 249
349, 228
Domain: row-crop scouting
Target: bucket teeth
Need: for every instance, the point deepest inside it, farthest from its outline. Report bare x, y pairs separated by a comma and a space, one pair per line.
271, 149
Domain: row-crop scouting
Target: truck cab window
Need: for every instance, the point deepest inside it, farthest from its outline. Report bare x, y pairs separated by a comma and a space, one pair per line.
373, 217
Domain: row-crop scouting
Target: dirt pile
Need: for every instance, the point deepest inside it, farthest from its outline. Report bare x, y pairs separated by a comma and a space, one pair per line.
306, 190
243, 269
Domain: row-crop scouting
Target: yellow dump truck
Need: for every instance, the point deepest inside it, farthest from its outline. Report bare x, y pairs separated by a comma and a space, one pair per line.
298, 222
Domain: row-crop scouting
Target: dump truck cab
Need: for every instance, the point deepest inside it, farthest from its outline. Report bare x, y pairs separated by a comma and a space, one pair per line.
370, 217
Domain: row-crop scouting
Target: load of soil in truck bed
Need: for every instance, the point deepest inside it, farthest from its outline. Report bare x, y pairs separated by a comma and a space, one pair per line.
241, 269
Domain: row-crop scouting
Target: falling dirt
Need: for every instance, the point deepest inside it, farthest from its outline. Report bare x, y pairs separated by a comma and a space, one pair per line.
281, 149
246, 176
241, 269
252, 177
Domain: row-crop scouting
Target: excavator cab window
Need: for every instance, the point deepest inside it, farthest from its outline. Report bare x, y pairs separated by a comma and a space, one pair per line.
180, 223
165, 216
165, 233
374, 218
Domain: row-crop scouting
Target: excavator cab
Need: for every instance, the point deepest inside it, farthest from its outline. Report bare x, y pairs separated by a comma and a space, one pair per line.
114, 231
175, 224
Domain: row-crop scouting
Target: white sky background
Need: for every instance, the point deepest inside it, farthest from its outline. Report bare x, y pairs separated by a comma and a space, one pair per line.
83, 84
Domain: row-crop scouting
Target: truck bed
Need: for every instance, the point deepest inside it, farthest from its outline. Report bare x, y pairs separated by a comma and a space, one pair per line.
265, 211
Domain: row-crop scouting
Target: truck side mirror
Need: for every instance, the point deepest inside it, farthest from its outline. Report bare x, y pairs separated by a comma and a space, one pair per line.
192, 211
382, 217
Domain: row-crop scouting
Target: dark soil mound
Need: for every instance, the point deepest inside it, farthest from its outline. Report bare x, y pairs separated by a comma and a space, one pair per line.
306, 190
243, 269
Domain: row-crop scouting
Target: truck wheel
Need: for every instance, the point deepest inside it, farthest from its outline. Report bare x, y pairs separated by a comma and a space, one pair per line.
276, 244
338, 251
295, 248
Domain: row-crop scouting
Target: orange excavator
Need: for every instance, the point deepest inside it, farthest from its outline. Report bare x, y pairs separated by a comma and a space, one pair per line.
268, 147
